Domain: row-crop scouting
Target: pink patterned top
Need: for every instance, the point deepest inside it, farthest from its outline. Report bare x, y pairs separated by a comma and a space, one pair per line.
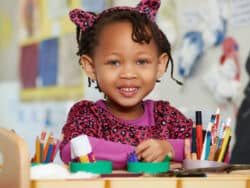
113, 138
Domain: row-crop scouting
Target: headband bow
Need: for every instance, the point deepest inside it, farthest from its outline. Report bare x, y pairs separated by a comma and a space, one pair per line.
86, 20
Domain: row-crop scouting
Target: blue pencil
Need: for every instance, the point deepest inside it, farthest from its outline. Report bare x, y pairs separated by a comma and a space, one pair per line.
49, 153
208, 142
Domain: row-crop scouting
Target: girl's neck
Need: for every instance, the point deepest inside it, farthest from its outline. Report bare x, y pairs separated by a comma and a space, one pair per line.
126, 113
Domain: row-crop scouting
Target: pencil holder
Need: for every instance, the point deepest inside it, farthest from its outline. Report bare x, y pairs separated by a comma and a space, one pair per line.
136, 166
148, 167
46, 149
98, 167
194, 164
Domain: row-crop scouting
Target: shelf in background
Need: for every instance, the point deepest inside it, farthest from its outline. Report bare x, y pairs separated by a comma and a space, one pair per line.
52, 93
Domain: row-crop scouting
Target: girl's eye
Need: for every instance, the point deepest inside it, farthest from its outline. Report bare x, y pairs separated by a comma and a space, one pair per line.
114, 63
142, 62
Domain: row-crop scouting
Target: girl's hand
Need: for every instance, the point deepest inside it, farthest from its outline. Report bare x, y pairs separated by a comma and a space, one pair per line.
153, 150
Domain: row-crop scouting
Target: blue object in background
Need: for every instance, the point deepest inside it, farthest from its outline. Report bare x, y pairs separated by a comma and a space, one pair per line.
48, 62
220, 33
191, 51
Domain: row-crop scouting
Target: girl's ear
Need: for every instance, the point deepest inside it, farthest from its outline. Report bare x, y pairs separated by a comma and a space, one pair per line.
162, 64
88, 66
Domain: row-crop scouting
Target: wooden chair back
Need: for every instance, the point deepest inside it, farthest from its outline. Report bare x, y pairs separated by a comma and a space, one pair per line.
15, 163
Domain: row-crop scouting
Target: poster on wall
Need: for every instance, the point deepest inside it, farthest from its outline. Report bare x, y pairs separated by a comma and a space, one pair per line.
29, 65
46, 66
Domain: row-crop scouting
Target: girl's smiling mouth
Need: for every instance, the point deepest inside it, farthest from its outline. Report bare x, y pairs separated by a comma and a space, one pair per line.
128, 91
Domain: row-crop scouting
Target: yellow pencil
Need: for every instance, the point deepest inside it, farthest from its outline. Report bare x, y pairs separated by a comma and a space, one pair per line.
224, 145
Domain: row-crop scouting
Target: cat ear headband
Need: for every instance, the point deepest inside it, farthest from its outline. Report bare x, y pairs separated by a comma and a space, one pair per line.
86, 20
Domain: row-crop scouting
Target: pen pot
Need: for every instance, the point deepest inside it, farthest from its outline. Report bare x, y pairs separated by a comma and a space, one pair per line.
194, 164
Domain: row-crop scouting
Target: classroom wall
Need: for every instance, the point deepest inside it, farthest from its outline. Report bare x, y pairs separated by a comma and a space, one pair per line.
192, 96
194, 85
8, 40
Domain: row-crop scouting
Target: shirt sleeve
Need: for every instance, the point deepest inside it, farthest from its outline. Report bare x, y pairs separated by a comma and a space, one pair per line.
178, 147
80, 120
176, 125
103, 150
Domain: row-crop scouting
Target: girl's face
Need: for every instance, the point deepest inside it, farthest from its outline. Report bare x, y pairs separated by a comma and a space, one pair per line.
126, 71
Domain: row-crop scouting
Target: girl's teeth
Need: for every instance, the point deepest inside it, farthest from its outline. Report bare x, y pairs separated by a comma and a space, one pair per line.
128, 89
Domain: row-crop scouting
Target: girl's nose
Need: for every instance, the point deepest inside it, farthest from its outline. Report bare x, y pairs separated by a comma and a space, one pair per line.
128, 72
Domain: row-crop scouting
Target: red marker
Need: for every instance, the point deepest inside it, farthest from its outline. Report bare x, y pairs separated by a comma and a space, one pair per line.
199, 133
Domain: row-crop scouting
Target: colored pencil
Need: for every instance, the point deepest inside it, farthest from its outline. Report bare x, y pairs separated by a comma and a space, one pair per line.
37, 156
194, 147
224, 144
48, 155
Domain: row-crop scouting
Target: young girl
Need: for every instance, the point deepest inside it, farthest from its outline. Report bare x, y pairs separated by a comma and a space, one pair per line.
124, 52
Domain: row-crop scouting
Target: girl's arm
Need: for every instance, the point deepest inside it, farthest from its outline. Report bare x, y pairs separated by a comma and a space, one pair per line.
103, 150
178, 149
155, 150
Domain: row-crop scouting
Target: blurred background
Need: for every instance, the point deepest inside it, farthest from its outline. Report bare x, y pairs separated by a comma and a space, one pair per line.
40, 77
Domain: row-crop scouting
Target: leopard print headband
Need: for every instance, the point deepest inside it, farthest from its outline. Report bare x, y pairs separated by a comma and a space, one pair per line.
86, 20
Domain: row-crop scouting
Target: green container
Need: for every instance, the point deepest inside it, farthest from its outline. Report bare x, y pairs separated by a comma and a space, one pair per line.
36, 164
148, 167
98, 167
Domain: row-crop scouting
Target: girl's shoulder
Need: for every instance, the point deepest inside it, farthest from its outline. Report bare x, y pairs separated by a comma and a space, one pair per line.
83, 103
156, 103
164, 108
160, 106
83, 107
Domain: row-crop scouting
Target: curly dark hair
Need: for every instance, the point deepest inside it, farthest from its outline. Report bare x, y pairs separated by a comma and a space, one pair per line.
143, 30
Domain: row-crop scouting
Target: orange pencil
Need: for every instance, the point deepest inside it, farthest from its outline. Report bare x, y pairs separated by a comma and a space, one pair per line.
211, 156
37, 156
187, 148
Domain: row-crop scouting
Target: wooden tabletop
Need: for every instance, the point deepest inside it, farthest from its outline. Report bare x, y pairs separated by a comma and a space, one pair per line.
239, 179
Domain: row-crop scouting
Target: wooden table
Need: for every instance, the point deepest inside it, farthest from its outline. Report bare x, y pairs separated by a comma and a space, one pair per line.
237, 179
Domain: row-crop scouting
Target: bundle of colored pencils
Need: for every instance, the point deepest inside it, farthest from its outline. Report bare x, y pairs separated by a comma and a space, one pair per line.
211, 143
46, 149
